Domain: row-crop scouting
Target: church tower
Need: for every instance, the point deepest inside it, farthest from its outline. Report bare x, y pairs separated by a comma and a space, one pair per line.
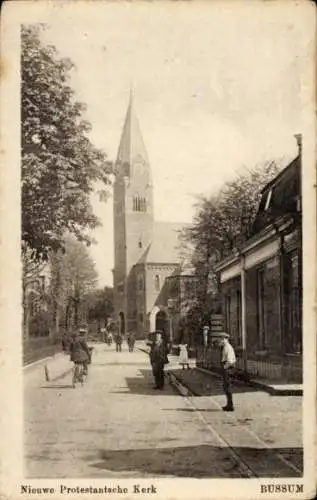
133, 214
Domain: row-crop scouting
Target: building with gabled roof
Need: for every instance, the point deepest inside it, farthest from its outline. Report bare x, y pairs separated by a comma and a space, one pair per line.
261, 284
146, 251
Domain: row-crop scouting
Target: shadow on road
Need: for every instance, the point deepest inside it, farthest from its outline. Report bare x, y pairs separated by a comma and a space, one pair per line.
202, 384
192, 410
144, 385
65, 386
202, 461
119, 363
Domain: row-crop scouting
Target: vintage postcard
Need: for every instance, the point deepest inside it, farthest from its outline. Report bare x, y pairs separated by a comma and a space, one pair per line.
158, 250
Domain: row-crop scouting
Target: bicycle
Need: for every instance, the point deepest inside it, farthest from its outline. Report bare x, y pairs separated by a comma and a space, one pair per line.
80, 373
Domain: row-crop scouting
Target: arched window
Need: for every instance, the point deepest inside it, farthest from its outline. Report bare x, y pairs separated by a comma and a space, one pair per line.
157, 284
139, 204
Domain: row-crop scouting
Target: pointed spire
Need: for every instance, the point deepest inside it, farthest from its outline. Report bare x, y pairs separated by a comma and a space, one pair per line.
131, 144
131, 93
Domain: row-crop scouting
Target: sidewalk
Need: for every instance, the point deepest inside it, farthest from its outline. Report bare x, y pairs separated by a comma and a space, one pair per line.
276, 421
198, 381
48, 369
274, 389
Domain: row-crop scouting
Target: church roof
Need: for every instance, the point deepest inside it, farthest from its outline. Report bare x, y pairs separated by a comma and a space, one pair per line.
131, 144
165, 247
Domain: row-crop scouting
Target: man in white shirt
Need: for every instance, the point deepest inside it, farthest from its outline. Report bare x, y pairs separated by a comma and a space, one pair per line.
228, 360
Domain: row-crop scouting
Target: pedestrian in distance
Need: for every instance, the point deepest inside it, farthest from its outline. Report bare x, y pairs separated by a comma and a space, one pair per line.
118, 340
183, 356
131, 341
205, 335
109, 339
65, 343
228, 361
158, 358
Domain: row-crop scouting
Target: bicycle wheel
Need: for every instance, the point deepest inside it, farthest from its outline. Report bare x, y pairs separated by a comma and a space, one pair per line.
75, 375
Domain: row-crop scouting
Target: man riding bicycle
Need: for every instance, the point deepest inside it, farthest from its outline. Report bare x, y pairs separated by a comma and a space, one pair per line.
80, 356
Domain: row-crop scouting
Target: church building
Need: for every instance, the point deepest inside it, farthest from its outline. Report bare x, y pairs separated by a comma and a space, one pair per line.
146, 252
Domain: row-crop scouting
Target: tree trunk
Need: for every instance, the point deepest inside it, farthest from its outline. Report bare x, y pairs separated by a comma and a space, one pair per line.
76, 312
26, 315
26, 322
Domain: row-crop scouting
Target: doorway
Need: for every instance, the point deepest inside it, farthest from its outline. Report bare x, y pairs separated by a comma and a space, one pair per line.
161, 322
121, 323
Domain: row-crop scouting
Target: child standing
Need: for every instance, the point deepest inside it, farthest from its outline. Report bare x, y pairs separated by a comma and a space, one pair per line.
183, 356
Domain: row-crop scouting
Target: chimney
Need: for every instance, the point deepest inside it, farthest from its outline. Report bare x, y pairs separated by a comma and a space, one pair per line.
298, 138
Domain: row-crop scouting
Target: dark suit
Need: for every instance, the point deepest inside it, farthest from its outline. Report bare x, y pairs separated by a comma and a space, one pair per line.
158, 357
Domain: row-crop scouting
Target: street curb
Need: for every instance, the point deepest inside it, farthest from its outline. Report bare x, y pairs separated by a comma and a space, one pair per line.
43, 360
179, 385
273, 391
42, 363
143, 350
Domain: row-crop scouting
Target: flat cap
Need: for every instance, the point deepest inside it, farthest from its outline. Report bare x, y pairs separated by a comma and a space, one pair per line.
220, 335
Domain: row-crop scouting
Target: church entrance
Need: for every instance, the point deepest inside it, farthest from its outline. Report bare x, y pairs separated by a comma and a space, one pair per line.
121, 323
161, 321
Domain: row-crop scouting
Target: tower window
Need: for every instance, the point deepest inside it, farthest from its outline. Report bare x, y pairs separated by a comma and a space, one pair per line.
157, 284
139, 204
141, 282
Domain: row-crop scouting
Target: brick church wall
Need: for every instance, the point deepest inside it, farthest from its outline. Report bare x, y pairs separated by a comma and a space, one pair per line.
152, 293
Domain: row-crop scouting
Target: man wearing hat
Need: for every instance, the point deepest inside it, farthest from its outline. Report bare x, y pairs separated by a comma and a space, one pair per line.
205, 335
228, 360
158, 358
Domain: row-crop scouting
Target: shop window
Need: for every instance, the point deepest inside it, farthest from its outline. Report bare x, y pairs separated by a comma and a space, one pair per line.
292, 297
239, 318
228, 313
262, 333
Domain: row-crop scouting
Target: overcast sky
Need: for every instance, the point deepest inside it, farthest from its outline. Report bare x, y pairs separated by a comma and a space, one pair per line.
217, 87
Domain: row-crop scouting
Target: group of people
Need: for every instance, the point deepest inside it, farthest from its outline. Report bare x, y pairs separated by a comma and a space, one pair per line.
80, 354
220, 340
118, 339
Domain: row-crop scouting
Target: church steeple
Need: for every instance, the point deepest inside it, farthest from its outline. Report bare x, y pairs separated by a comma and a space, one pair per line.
131, 149
133, 213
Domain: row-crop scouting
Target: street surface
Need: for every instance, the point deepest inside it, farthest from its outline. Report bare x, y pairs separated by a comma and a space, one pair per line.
117, 425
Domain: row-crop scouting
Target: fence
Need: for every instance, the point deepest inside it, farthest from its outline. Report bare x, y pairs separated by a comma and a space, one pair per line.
39, 348
288, 370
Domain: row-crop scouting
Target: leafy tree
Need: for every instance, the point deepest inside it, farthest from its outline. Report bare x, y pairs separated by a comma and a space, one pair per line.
32, 270
73, 277
60, 165
100, 305
220, 225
